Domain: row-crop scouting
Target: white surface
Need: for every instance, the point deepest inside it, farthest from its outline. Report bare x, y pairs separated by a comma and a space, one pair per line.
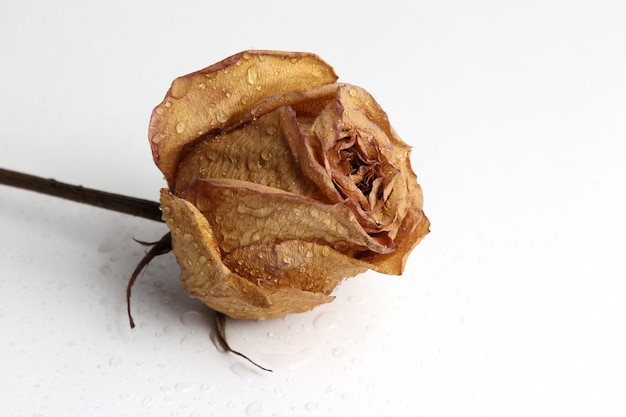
512, 306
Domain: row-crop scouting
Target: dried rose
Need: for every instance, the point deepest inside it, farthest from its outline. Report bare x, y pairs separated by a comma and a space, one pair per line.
281, 184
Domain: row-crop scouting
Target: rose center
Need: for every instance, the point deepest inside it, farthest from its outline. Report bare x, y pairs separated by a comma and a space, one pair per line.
361, 173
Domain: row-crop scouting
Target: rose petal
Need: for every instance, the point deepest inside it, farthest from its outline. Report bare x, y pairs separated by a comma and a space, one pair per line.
304, 265
217, 96
412, 230
242, 214
205, 277
257, 152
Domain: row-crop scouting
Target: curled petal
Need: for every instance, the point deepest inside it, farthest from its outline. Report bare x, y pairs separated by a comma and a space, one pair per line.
217, 96
259, 152
204, 275
243, 214
308, 266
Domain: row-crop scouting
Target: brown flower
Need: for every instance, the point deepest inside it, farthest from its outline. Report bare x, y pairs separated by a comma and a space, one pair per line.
281, 183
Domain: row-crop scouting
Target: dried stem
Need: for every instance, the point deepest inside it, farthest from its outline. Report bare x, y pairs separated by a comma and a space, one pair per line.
128, 205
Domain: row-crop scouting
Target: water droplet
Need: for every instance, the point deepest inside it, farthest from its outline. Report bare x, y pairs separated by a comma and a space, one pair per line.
147, 401
222, 117
294, 60
180, 86
183, 387
202, 86
180, 127
271, 130
255, 409
159, 110
266, 155
243, 371
326, 321
191, 318
166, 299
339, 352
311, 406
116, 362
253, 76
291, 361
247, 56
168, 103
352, 92
341, 246
287, 260
244, 99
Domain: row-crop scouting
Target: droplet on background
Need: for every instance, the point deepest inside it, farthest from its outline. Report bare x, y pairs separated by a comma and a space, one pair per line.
291, 361
312, 406
339, 352
326, 321
243, 371
255, 409
183, 387
191, 318
116, 362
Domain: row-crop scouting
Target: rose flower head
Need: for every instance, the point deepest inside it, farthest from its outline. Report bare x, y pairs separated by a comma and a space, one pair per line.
282, 183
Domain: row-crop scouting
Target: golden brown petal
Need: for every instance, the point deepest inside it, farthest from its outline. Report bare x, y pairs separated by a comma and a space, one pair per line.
205, 277
219, 95
304, 265
243, 214
258, 152
413, 229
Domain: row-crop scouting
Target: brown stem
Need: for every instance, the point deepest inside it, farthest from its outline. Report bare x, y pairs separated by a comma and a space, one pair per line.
129, 205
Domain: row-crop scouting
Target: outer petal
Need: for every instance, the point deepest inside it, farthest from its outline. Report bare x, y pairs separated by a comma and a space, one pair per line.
218, 96
412, 230
205, 277
305, 265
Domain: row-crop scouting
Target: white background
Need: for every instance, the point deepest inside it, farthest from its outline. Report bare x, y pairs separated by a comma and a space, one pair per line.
514, 305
